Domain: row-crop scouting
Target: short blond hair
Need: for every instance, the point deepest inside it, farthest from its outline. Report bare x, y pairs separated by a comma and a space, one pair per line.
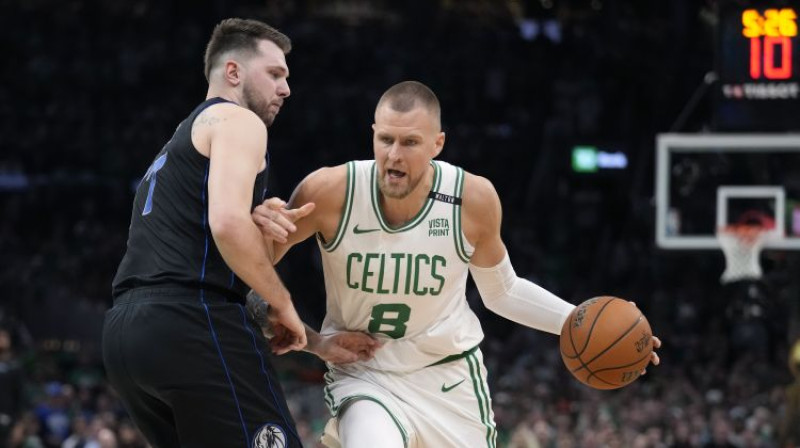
407, 95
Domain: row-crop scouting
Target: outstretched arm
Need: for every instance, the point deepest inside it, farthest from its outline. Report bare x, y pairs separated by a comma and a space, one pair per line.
315, 207
339, 348
502, 291
342, 347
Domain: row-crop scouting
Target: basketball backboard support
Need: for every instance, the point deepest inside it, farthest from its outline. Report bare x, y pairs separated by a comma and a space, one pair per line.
705, 182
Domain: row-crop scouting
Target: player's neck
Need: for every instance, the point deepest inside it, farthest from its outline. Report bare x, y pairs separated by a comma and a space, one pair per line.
400, 211
227, 94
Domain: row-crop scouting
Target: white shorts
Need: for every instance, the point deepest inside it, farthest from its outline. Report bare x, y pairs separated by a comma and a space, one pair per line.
444, 405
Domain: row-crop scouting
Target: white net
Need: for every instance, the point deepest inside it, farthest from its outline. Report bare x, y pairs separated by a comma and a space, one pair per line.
742, 248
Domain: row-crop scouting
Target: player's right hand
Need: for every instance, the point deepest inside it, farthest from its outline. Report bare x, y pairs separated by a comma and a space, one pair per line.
276, 221
288, 330
345, 347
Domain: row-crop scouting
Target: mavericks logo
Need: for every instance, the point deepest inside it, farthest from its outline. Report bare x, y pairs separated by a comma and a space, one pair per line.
270, 436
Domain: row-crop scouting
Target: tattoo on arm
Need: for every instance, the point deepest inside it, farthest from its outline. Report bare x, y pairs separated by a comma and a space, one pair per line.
209, 120
257, 308
206, 120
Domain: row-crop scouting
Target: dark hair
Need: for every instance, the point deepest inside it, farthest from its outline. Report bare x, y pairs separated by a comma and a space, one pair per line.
406, 95
241, 35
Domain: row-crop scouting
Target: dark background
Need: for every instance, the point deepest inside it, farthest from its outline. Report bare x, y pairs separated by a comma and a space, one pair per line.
91, 90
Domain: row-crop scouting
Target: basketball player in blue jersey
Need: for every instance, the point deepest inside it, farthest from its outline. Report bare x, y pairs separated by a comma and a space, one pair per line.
398, 235
178, 345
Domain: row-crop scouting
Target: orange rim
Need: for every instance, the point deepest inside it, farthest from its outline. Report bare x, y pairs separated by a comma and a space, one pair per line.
747, 233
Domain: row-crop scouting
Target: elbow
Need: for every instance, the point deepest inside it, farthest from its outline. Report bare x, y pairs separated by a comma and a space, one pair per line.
490, 305
224, 225
492, 301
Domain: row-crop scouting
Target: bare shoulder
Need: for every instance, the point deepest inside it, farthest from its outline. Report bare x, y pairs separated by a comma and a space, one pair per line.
227, 113
226, 119
326, 183
479, 195
326, 187
325, 179
481, 212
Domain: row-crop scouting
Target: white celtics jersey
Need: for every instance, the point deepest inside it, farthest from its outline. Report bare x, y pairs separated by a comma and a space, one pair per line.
405, 284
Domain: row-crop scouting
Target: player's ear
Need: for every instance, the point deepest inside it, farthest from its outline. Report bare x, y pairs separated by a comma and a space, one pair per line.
233, 72
438, 144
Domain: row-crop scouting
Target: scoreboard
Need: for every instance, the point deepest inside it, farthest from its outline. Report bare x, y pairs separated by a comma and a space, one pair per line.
758, 68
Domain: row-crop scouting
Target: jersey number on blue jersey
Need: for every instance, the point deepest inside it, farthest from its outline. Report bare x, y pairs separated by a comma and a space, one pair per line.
152, 176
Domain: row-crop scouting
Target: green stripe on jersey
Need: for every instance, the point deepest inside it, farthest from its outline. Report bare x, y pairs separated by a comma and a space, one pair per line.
348, 206
458, 236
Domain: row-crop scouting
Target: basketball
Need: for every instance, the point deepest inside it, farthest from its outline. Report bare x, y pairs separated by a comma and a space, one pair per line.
606, 342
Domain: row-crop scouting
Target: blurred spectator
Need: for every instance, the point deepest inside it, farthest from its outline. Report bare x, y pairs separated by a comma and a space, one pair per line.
52, 413
720, 435
106, 438
129, 436
790, 426
11, 385
81, 436
25, 433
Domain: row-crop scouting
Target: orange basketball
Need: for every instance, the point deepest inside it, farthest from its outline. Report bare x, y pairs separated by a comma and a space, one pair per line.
606, 342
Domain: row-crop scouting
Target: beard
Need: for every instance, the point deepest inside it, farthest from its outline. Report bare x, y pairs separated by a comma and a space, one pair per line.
258, 105
397, 191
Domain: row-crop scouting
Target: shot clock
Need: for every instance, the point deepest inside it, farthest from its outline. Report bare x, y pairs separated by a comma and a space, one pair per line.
758, 68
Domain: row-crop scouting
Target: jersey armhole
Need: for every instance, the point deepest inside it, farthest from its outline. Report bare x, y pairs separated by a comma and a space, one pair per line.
458, 235
196, 113
345, 218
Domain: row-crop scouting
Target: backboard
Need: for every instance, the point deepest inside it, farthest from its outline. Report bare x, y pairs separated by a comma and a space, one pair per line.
707, 181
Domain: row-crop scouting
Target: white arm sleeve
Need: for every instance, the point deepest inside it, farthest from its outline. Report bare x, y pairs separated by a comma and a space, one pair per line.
518, 299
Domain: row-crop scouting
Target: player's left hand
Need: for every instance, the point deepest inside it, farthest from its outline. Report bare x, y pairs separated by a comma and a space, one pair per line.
288, 330
344, 347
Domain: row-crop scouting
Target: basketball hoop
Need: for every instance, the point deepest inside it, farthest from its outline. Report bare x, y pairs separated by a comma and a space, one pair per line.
741, 243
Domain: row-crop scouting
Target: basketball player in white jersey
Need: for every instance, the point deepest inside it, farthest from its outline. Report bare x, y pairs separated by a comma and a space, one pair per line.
398, 235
